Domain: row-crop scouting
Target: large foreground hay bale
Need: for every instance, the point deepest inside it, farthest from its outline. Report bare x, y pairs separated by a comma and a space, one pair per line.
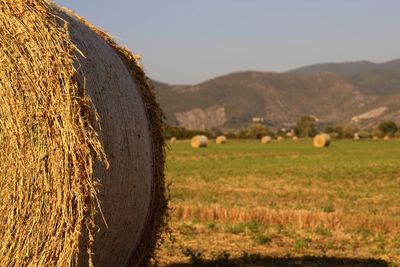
322, 140
220, 140
81, 168
199, 141
266, 139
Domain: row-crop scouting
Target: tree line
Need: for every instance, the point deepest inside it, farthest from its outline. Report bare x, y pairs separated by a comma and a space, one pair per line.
306, 126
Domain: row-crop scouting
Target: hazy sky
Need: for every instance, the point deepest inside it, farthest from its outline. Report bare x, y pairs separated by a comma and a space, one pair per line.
188, 41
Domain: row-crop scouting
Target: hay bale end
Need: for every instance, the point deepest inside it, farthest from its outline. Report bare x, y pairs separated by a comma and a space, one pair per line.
266, 139
322, 140
199, 141
220, 140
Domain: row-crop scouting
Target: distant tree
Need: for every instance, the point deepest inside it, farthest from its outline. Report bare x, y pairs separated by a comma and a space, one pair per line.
345, 131
366, 133
182, 133
305, 127
231, 135
217, 133
329, 129
280, 132
387, 127
339, 131
174, 131
243, 134
257, 131
349, 131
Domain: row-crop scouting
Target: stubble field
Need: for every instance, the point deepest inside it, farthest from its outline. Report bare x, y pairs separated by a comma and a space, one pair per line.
284, 204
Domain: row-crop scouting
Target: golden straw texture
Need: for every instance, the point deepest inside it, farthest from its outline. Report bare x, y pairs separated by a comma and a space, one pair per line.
47, 140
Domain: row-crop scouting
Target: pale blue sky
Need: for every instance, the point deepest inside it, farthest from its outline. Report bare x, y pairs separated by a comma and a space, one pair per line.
188, 41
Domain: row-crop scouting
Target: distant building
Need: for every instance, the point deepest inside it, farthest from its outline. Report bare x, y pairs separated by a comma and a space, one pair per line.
290, 134
258, 119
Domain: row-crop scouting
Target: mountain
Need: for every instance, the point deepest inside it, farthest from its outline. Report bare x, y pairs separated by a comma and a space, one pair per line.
377, 82
372, 78
361, 93
345, 70
348, 69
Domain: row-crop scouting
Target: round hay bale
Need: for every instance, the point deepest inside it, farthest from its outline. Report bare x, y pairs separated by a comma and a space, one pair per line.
172, 140
266, 139
322, 140
81, 174
387, 137
295, 138
220, 140
279, 138
375, 138
199, 141
356, 136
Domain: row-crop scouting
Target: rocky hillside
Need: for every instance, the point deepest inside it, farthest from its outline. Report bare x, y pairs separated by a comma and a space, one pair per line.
330, 94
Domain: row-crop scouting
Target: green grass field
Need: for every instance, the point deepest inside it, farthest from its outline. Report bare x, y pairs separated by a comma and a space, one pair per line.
246, 201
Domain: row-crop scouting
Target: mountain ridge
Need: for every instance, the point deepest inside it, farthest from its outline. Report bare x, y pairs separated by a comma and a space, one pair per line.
234, 99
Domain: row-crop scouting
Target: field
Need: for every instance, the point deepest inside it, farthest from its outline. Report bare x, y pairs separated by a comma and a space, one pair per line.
284, 204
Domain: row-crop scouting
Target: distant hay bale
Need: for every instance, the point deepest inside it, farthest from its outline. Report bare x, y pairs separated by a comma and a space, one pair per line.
322, 140
73, 103
172, 139
294, 138
279, 138
356, 136
375, 138
220, 140
266, 139
387, 137
199, 141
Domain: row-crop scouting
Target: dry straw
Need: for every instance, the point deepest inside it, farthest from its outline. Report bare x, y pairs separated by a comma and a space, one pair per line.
199, 141
266, 139
220, 140
60, 205
322, 140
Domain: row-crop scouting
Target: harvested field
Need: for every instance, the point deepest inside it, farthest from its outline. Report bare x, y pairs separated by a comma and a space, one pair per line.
283, 205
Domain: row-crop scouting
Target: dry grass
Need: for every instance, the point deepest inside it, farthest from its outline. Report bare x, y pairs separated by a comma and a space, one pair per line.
299, 219
287, 201
48, 142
